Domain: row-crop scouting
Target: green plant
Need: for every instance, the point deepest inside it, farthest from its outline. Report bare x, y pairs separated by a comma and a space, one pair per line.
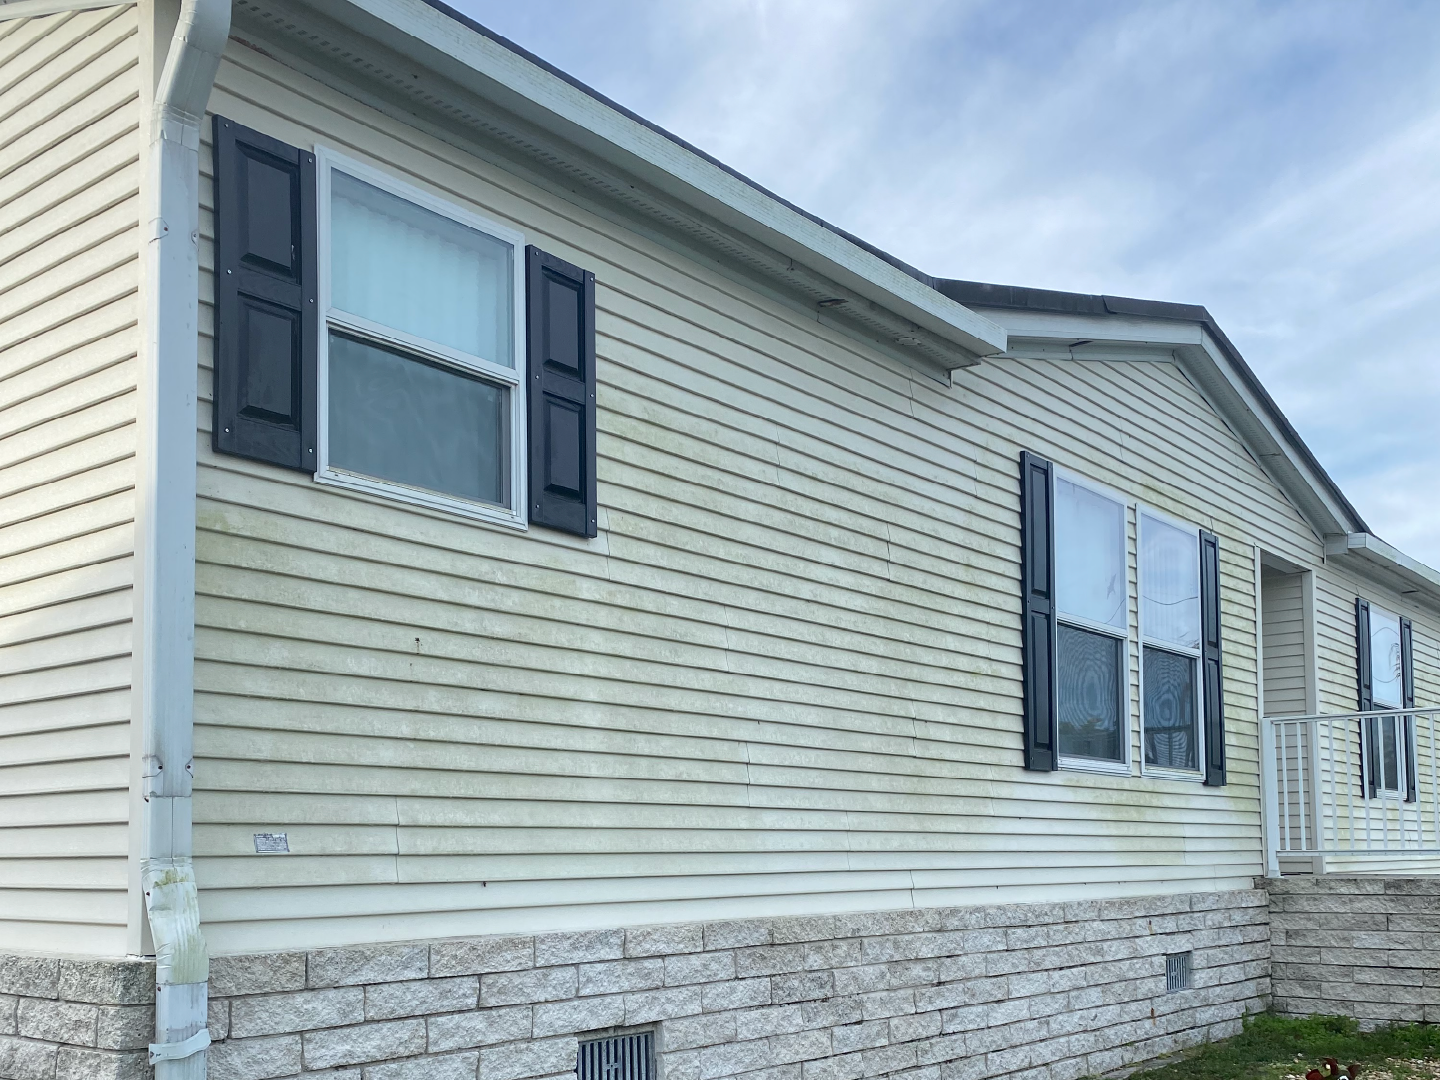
1274, 1047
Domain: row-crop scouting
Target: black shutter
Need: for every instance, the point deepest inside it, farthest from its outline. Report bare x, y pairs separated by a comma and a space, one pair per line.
1407, 685
1037, 584
1369, 729
560, 347
1211, 668
266, 324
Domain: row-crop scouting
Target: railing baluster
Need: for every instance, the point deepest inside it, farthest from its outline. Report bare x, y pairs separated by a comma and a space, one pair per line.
1285, 784
1349, 791
1302, 734
1434, 786
1328, 812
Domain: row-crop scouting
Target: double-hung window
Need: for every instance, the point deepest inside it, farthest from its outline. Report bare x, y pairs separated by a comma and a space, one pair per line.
1170, 645
1092, 626
420, 364
1075, 633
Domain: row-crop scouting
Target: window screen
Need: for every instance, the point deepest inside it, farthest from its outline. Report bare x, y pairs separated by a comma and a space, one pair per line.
421, 424
1171, 740
1091, 693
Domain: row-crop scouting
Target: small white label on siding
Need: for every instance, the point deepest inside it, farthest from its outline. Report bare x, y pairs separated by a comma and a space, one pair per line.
272, 843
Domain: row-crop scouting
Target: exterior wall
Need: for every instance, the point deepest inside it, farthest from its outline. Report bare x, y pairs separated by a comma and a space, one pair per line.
1050, 992
1286, 656
1357, 946
75, 1019
69, 246
784, 678
1335, 632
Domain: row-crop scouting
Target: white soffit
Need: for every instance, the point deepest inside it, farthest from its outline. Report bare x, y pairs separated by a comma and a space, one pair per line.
637, 163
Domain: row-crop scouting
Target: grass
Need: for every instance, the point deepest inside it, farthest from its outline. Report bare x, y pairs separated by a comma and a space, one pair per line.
1279, 1048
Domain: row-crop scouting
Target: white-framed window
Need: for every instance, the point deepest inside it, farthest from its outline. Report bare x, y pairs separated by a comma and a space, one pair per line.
1387, 691
421, 358
1092, 603
1172, 733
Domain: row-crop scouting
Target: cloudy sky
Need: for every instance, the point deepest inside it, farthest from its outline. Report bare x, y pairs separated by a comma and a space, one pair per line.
1278, 162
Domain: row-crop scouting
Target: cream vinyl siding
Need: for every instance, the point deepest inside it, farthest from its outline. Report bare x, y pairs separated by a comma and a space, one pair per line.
69, 246
1286, 657
784, 678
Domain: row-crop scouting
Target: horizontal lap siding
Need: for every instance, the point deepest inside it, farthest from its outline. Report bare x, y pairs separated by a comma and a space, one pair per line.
1285, 645
69, 195
785, 676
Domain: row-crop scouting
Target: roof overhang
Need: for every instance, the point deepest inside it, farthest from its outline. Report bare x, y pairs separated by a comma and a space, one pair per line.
1073, 336
1070, 326
1377, 559
457, 79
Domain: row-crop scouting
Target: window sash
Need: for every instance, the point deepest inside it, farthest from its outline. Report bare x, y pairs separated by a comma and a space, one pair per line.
1122, 633
1196, 775
1120, 765
511, 378
1196, 727
1381, 621
1122, 626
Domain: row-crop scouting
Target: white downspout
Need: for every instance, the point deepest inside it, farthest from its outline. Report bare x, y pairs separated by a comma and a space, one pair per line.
165, 537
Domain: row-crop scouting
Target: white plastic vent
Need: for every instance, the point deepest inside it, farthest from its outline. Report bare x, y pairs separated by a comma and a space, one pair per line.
1177, 972
620, 1057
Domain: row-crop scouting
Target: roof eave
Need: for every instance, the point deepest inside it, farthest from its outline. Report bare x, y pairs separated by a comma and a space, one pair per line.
1214, 364
880, 295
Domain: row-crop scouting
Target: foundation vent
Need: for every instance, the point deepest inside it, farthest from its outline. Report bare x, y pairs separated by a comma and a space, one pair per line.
1177, 972
619, 1057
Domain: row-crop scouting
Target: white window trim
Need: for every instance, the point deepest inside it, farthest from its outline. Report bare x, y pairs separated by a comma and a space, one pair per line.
1196, 776
1100, 765
513, 378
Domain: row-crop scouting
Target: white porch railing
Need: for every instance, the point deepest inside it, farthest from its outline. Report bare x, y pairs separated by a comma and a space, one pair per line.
1353, 785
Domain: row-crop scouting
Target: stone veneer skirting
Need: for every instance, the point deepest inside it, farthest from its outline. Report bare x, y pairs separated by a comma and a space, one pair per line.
75, 1019
1366, 947
1034, 992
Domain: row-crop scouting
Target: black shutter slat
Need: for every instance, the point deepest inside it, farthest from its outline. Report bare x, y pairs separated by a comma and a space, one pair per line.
266, 322
1407, 684
1037, 584
560, 380
1369, 729
1210, 659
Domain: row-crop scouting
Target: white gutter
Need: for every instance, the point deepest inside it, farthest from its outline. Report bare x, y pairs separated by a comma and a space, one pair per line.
165, 537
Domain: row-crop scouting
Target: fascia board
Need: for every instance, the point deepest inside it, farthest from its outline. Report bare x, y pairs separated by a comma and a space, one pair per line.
1200, 357
1208, 366
1378, 555
539, 97
1099, 328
